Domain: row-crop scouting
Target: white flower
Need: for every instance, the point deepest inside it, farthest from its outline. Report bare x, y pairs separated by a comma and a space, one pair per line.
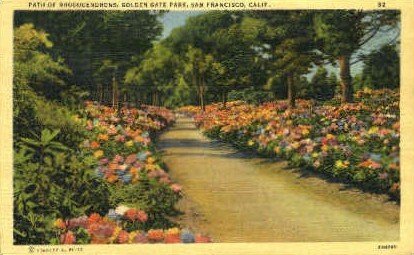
121, 209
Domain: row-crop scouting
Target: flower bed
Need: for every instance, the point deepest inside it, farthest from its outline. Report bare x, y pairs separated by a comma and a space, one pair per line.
354, 143
122, 144
121, 226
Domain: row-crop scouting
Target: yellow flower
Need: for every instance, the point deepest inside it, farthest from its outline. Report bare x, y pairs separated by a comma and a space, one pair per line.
150, 167
373, 130
115, 233
341, 165
330, 136
250, 143
150, 160
324, 148
130, 143
173, 231
295, 145
98, 153
305, 131
131, 237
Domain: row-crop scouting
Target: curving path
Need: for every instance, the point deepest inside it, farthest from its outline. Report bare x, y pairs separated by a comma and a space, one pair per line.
235, 197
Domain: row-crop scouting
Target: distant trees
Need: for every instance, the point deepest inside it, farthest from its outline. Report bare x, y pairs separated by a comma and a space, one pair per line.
382, 68
322, 85
116, 56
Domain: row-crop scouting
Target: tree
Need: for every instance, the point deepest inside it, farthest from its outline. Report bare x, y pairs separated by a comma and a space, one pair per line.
295, 53
382, 68
323, 87
87, 41
153, 75
341, 33
34, 67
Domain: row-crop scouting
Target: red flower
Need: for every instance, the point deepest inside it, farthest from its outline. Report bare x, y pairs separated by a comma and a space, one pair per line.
135, 214
67, 238
172, 239
202, 239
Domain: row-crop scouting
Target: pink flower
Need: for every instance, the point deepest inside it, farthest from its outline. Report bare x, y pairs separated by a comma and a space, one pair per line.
118, 159
176, 188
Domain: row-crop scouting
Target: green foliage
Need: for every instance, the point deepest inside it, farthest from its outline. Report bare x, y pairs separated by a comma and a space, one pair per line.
339, 34
155, 198
382, 68
34, 67
250, 95
277, 84
323, 86
87, 39
51, 182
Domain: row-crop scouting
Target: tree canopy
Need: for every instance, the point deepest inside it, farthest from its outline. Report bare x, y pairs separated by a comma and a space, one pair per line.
119, 56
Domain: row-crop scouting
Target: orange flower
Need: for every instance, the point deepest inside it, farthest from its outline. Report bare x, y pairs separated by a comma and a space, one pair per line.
133, 170
113, 166
112, 178
370, 164
172, 239
123, 237
95, 145
68, 238
103, 137
155, 235
94, 218
202, 239
59, 223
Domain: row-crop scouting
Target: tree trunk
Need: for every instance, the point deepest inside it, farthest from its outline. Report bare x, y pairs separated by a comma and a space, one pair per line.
114, 93
137, 99
224, 98
291, 91
201, 99
203, 107
125, 98
346, 79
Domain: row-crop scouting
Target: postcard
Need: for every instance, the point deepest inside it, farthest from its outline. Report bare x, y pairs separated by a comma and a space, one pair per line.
206, 127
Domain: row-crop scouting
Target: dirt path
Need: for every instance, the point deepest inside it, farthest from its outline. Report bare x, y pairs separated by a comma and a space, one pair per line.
238, 198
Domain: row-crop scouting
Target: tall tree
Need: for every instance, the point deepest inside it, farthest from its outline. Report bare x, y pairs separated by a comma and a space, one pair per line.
341, 33
295, 53
154, 74
382, 68
322, 85
88, 40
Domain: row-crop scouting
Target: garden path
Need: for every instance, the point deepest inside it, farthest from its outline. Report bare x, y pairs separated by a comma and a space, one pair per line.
237, 197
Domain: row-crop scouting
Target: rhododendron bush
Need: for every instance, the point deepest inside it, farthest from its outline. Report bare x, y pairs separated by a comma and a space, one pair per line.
356, 143
122, 143
113, 164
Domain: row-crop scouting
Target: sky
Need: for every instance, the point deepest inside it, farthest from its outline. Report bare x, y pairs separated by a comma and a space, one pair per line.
175, 19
